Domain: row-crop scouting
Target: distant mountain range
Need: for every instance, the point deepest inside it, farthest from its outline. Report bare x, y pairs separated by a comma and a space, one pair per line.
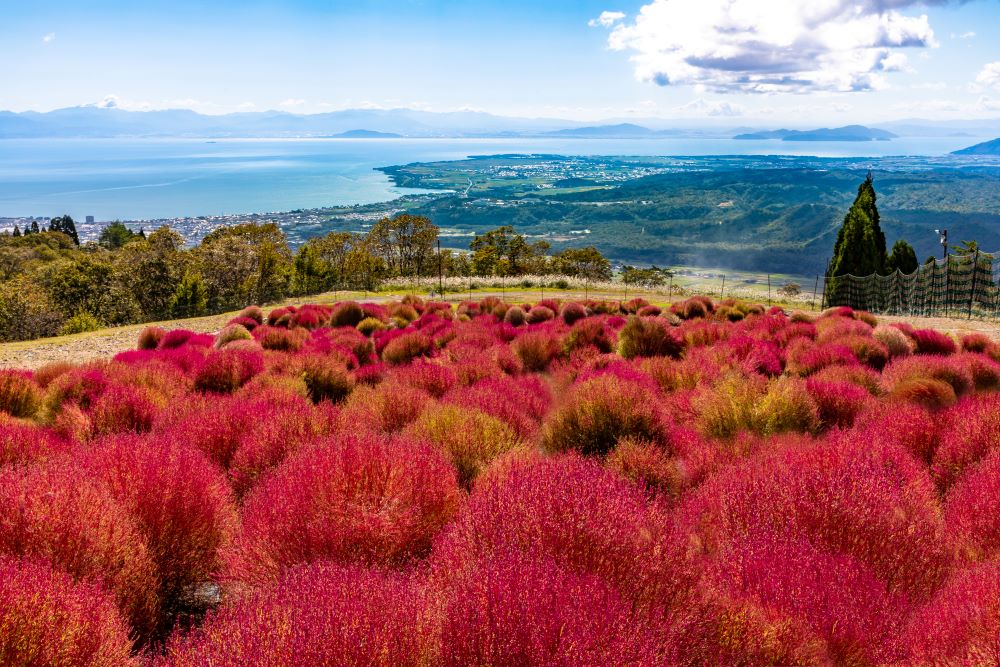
104, 122
985, 148
846, 133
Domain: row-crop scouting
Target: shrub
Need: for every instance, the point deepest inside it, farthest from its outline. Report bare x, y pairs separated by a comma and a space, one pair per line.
786, 407
929, 341
571, 312
317, 615
839, 403
515, 316
347, 314
597, 413
20, 396
728, 408
174, 339
254, 313
182, 505
521, 403
866, 349
58, 514
928, 392
775, 600
326, 379
370, 325
231, 333
386, 408
540, 314
357, 499
406, 348
948, 370
971, 432
536, 349
434, 378
280, 340
647, 464
909, 426
82, 322
471, 438
879, 507
150, 337
804, 357
970, 510
23, 443
590, 332
647, 337
517, 610
122, 409
49, 619
959, 625
227, 370
571, 510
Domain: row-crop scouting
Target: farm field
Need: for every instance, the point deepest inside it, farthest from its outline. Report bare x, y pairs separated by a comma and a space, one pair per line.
565, 481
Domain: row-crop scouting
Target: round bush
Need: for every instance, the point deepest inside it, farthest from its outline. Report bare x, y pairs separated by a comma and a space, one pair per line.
540, 314
319, 614
150, 337
48, 619
347, 314
518, 610
404, 349
225, 371
231, 333
515, 316
326, 379
598, 412
648, 337
359, 499
571, 312
471, 438
59, 514
20, 396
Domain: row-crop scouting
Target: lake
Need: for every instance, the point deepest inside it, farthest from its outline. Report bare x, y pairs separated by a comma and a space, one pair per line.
137, 179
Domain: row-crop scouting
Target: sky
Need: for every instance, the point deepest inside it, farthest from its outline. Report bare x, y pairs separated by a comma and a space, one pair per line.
733, 61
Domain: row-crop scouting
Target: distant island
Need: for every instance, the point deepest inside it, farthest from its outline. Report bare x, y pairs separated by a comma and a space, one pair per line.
619, 131
846, 133
985, 148
366, 134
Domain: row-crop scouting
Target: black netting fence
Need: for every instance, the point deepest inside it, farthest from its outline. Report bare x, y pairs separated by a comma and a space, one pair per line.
961, 286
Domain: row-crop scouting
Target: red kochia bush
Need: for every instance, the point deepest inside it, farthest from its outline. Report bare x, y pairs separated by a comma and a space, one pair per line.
970, 510
357, 499
648, 337
150, 337
321, 614
930, 341
407, 347
536, 349
572, 311
960, 625
122, 409
520, 402
772, 600
182, 504
519, 610
46, 618
59, 514
878, 506
571, 510
228, 370
971, 432
24, 443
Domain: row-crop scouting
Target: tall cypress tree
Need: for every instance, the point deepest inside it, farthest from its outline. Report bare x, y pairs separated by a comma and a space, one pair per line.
860, 246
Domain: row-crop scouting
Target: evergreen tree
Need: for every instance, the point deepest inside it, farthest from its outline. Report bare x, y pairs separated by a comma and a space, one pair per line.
860, 246
903, 258
65, 225
34, 227
17, 230
191, 297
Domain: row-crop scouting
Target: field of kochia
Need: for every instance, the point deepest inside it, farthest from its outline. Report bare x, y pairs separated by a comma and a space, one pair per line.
559, 483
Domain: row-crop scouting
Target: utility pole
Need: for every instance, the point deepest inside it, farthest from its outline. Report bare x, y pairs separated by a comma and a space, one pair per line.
440, 274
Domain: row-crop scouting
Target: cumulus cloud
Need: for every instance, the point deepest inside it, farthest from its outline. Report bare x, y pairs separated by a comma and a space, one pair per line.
292, 103
763, 46
606, 19
46, 39
989, 76
704, 107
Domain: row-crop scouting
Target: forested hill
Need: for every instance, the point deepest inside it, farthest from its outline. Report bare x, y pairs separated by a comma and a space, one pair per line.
760, 219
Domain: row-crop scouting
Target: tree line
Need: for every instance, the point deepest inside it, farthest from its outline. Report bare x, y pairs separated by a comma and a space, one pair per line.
50, 283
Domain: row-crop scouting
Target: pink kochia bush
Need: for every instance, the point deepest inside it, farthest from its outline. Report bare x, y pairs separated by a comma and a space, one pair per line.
47, 618
367, 499
552, 483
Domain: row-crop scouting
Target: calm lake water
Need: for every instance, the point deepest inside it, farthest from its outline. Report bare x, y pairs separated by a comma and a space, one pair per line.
147, 178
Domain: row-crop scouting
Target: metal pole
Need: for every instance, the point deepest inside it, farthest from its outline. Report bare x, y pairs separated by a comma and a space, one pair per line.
822, 303
769, 290
722, 292
670, 293
815, 289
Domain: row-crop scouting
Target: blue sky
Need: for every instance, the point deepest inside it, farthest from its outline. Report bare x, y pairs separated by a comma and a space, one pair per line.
707, 59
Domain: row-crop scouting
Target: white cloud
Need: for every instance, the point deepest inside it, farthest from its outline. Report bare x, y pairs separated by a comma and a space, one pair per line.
606, 19
48, 38
704, 107
763, 46
964, 35
292, 103
989, 76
